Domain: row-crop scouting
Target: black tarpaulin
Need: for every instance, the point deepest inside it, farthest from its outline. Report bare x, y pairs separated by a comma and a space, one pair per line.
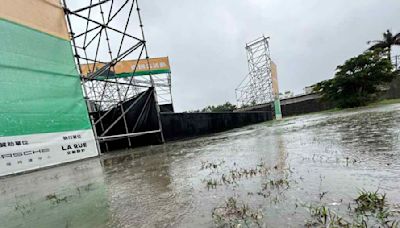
141, 115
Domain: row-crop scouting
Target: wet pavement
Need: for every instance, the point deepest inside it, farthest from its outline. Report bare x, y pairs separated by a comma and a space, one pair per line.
324, 158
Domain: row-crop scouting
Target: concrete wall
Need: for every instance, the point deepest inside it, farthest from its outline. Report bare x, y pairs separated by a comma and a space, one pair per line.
304, 104
295, 105
394, 90
185, 125
257, 108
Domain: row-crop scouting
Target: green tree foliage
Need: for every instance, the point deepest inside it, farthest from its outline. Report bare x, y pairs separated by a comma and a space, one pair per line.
227, 107
359, 80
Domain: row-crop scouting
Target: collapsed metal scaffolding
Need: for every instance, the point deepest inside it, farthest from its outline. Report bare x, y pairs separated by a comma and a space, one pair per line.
104, 33
256, 87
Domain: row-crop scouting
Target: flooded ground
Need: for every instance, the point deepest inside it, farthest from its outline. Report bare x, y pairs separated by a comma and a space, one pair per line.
277, 169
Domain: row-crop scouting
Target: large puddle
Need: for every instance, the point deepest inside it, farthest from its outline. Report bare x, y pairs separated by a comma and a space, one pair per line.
276, 168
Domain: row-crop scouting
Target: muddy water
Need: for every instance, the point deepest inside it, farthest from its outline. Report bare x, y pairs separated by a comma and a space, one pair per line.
323, 158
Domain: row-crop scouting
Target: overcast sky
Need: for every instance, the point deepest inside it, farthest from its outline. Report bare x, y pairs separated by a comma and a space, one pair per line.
205, 40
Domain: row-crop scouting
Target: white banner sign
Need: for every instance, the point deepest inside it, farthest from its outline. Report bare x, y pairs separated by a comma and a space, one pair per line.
28, 152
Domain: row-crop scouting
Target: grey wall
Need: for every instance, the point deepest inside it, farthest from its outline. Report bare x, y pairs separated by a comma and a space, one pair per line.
304, 104
295, 105
394, 90
185, 125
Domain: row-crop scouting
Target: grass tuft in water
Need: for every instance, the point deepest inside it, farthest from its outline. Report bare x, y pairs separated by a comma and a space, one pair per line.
235, 215
370, 210
211, 165
370, 202
56, 199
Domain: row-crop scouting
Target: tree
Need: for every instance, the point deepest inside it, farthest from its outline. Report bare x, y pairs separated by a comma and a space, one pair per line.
386, 43
227, 107
358, 81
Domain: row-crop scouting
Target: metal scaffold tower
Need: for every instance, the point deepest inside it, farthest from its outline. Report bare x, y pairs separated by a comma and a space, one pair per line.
105, 33
256, 88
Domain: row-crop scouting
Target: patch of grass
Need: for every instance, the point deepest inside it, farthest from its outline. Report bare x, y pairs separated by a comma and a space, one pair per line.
55, 199
370, 202
233, 176
211, 183
323, 216
385, 102
211, 165
24, 208
278, 184
234, 215
371, 210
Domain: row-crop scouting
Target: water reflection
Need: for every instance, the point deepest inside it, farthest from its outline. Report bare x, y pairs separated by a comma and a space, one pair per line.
373, 135
141, 191
65, 196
